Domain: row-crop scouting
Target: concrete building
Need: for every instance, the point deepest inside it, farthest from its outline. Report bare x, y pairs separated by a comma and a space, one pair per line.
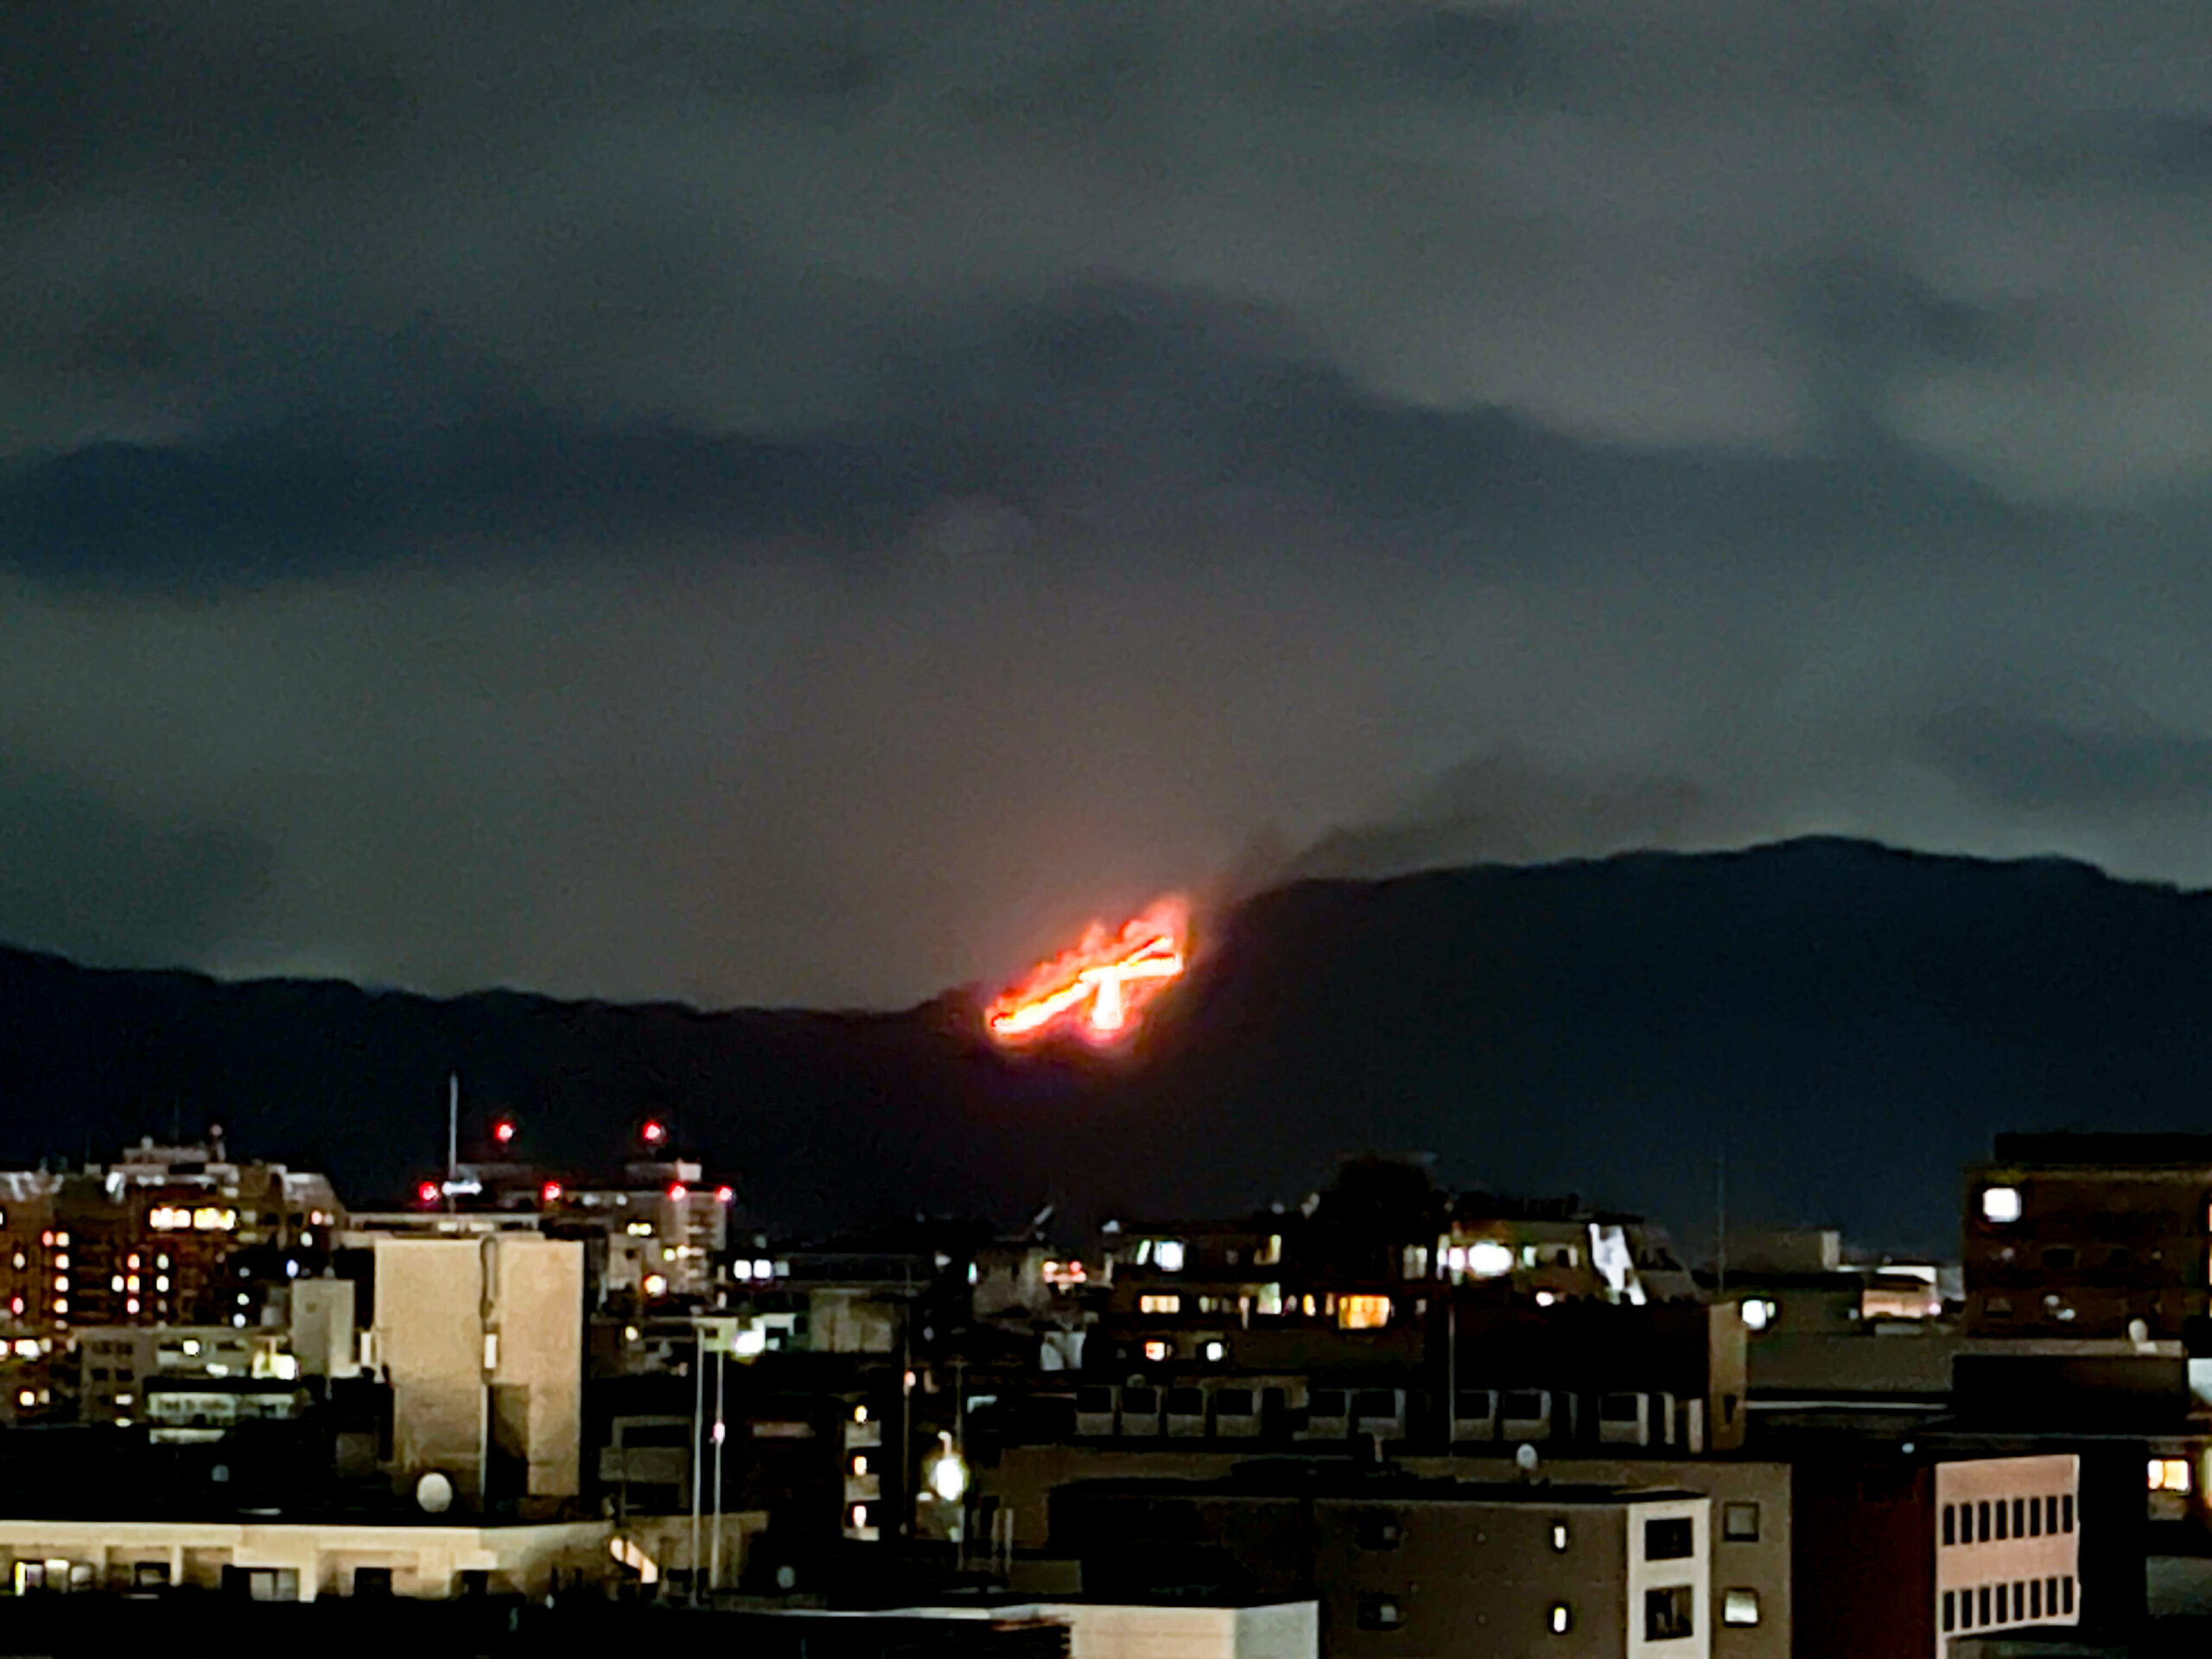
302, 1560
2089, 1236
1190, 1628
169, 1234
116, 1364
1749, 1608
1399, 1566
1897, 1553
482, 1341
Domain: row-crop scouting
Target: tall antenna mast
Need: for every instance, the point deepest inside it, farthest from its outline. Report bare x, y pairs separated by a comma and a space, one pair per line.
453, 1135
1720, 1223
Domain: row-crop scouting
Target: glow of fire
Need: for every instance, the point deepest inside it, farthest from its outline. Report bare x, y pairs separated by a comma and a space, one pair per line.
1099, 988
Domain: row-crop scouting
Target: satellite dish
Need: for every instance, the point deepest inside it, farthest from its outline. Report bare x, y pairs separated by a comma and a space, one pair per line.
1524, 1460
434, 1493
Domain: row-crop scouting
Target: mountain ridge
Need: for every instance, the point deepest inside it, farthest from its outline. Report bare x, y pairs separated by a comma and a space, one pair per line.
1844, 1021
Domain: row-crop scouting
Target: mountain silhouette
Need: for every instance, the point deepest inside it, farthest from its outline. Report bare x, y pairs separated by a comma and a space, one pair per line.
1845, 1023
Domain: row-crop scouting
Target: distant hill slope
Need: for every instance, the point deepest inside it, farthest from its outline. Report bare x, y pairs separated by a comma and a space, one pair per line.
1847, 1023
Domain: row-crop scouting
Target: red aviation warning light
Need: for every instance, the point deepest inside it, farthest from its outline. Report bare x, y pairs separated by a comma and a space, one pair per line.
428, 1193
654, 1133
504, 1131
550, 1193
1099, 990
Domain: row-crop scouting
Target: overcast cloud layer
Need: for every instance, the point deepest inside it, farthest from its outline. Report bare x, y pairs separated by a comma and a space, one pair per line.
808, 503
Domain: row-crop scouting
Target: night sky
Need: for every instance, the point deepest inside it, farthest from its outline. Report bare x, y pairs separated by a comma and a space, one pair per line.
808, 503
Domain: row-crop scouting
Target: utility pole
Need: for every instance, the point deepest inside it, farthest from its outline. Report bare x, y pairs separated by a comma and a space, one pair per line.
453, 1135
715, 1543
1720, 1223
907, 1402
698, 1415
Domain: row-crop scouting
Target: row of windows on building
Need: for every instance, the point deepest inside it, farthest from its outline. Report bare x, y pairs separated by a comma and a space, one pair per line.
1993, 1522
2023, 1601
1669, 1614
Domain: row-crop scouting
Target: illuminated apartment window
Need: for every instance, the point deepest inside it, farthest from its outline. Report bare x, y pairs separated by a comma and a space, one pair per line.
1739, 1607
1159, 1304
1561, 1618
1488, 1259
2000, 1203
1379, 1613
1559, 1537
2169, 1475
1362, 1312
1167, 1255
1155, 1352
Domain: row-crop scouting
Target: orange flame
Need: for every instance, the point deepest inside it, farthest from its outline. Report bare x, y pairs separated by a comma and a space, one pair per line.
1098, 989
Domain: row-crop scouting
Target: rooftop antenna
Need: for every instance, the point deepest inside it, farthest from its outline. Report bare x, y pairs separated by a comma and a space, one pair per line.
453, 1135
1721, 1224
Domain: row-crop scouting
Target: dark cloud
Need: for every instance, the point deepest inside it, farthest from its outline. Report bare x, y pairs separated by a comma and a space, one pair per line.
81, 872
2020, 760
1506, 806
809, 501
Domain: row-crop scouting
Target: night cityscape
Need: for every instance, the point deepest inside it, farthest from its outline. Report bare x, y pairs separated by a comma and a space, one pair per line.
1197, 829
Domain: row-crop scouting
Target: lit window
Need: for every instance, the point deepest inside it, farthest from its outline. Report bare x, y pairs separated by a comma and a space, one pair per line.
28, 1397
1155, 1351
1488, 1259
132, 1264
161, 1282
1379, 1613
60, 1261
654, 1285
116, 1283
2169, 1475
62, 1239
1558, 1536
1739, 1607
1758, 1314
859, 1413
860, 1515
1217, 1351
860, 1465
2000, 1203
1562, 1618
1362, 1312
1159, 1304
1168, 1256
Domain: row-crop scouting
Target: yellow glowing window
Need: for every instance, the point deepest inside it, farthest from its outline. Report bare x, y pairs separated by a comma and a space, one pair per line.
1159, 1304
1362, 1312
1155, 1351
2169, 1475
